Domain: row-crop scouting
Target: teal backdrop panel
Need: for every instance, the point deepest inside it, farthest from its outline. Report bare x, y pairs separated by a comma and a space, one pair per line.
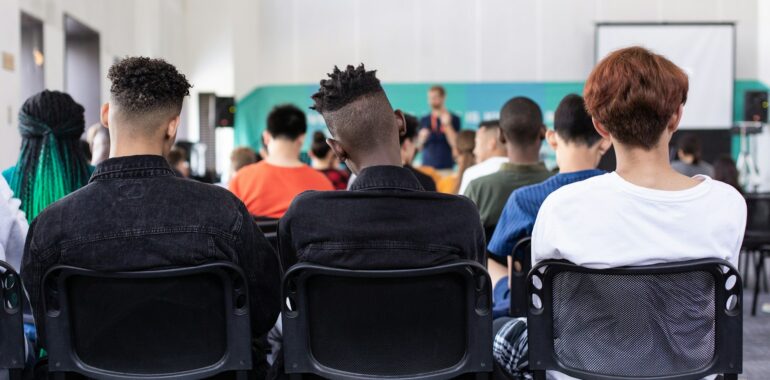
473, 102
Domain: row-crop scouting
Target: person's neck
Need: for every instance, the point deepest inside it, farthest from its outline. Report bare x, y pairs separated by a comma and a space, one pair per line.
575, 160
321, 164
650, 168
377, 159
125, 147
501, 154
687, 159
528, 155
283, 153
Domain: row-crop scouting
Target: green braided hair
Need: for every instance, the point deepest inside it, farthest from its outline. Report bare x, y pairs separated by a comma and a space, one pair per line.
51, 164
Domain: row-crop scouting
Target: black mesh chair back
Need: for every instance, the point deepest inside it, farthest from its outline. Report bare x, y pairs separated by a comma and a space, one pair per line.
758, 219
432, 323
180, 323
522, 252
665, 321
11, 323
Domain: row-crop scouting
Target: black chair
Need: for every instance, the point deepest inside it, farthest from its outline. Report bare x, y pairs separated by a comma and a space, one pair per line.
522, 252
672, 321
431, 323
269, 228
181, 323
757, 239
11, 324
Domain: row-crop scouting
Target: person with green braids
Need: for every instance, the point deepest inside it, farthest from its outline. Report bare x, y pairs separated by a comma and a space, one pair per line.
51, 164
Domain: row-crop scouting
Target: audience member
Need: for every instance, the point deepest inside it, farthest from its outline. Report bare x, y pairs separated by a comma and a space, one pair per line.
51, 164
149, 223
489, 151
522, 132
13, 227
726, 171
268, 187
241, 157
645, 212
323, 159
438, 131
177, 158
578, 150
688, 155
462, 153
409, 150
99, 140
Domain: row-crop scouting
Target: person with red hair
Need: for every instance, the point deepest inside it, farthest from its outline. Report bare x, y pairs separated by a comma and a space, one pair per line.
644, 212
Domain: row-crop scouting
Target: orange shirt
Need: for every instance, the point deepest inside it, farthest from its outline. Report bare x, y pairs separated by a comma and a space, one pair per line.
267, 190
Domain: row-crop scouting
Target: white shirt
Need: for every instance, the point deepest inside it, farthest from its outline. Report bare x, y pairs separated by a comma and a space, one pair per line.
606, 221
489, 166
13, 227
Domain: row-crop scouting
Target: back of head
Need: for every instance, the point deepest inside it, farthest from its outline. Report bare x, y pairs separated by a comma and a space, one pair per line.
146, 94
522, 122
241, 157
689, 144
286, 122
51, 163
726, 171
466, 141
412, 125
319, 148
634, 93
357, 112
573, 123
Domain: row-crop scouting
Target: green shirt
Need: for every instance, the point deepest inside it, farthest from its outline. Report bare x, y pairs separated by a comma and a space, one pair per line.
490, 193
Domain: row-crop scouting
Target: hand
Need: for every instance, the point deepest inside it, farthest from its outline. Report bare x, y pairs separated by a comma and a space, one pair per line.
446, 118
422, 137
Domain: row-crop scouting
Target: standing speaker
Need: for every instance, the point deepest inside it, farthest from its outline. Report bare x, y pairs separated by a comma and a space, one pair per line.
755, 106
225, 112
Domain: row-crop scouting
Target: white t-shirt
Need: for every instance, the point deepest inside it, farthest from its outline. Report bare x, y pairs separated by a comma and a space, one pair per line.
606, 221
489, 166
13, 227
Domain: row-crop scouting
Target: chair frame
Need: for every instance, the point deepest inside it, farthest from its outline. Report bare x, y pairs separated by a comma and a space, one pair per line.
728, 355
63, 358
298, 356
518, 291
12, 355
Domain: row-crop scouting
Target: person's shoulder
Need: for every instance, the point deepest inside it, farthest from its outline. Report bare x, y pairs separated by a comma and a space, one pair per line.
581, 190
726, 194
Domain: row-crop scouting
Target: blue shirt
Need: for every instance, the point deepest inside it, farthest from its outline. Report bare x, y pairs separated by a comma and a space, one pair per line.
519, 213
436, 152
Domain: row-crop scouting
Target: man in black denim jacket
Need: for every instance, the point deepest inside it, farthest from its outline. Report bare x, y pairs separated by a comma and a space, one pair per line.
386, 220
136, 214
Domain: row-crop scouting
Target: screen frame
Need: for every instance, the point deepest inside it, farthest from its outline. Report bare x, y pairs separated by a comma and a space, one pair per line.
696, 23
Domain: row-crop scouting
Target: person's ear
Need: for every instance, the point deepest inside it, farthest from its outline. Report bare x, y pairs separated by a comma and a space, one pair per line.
400, 122
266, 138
300, 140
675, 119
501, 136
603, 146
550, 137
543, 132
600, 129
105, 115
338, 149
173, 127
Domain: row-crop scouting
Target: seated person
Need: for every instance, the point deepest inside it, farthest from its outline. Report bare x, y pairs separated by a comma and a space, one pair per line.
578, 150
522, 132
323, 159
409, 150
13, 227
155, 219
462, 152
386, 205
688, 157
645, 212
490, 153
268, 187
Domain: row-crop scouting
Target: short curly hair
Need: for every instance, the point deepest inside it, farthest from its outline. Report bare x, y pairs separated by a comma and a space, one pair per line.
343, 87
142, 85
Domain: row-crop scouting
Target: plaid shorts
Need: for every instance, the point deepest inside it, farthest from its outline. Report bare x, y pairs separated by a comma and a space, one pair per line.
511, 350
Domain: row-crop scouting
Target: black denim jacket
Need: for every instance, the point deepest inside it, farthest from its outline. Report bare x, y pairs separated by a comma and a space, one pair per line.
385, 221
135, 214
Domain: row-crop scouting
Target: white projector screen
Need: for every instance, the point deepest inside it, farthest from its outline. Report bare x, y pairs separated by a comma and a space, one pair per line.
704, 51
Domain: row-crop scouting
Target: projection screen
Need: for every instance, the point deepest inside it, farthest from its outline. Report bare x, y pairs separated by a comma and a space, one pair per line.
706, 52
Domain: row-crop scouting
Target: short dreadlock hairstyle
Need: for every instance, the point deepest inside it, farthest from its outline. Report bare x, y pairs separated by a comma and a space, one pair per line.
142, 86
343, 87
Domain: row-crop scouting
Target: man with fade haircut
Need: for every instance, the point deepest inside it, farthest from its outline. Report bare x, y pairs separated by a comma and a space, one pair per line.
155, 219
386, 205
578, 150
521, 132
489, 151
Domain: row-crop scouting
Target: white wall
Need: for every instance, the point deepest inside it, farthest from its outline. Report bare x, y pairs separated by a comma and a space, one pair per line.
10, 41
456, 40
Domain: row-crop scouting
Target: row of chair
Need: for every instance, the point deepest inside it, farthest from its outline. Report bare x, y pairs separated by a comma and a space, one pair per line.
671, 321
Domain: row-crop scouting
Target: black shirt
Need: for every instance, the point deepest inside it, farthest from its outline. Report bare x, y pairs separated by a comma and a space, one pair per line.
135, 214
385, 221
427, 182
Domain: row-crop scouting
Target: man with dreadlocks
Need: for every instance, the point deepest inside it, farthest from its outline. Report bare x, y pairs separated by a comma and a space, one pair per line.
152, 219
51, 164
387, 206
